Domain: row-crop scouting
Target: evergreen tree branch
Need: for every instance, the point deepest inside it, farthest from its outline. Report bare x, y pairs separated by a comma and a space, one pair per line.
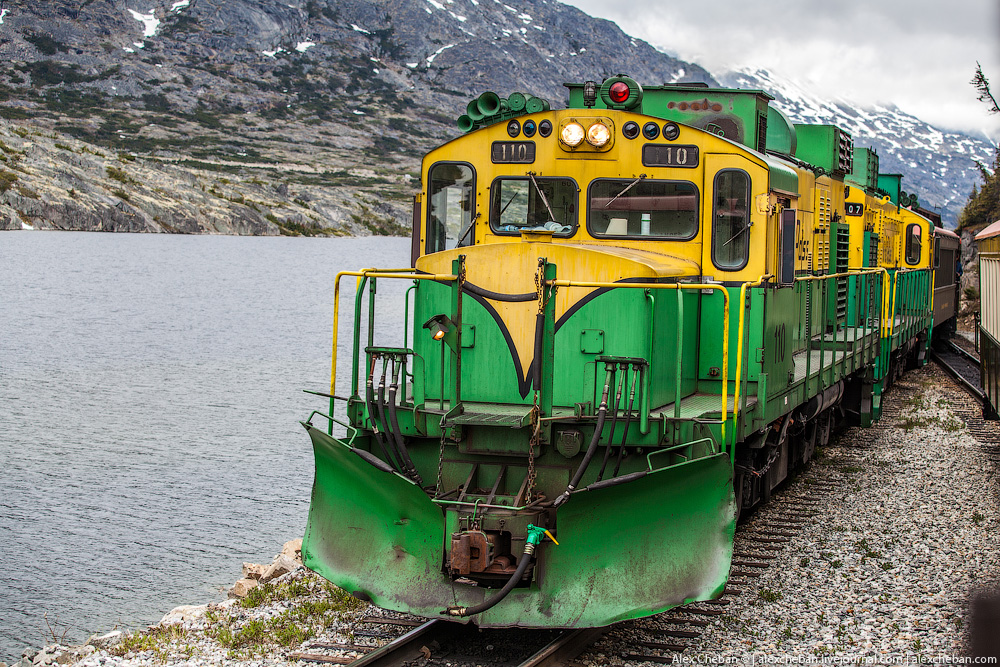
982, 85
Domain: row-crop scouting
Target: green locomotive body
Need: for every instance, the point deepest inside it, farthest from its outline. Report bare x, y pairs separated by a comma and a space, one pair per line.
629, 320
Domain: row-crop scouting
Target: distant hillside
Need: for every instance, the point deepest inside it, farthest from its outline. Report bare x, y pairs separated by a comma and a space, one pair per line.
309, 116
265, 117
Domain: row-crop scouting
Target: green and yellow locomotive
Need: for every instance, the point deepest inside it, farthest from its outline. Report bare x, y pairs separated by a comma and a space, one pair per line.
628, 321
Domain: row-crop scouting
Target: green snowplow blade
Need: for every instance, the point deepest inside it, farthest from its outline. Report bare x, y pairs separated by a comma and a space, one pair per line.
371, 531
625, 551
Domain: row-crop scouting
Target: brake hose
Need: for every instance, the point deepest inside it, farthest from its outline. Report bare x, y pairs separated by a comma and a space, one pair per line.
535, 534
602, 412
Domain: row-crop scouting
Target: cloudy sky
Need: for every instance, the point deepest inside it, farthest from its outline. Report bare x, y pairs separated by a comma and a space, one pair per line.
917, 54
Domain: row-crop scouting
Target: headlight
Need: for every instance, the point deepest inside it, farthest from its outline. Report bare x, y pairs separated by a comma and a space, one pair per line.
598, 135
572, 134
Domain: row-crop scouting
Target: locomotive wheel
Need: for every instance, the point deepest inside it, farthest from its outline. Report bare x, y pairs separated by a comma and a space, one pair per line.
739, 490
809, 442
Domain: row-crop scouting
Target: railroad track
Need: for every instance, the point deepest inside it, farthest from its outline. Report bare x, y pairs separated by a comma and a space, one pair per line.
439, 642
770, 530
962, 365
763, 539
414, 642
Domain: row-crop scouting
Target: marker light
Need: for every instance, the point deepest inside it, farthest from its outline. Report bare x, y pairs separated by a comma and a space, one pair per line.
618, 92
572, 134
545, 128
598, 134
651, 131
513, 128
671, 131
529, 128
439, 326
630, 129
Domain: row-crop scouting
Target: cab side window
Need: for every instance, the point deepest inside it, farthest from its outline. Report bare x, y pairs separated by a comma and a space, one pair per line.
731, 220
914, 236
451, 192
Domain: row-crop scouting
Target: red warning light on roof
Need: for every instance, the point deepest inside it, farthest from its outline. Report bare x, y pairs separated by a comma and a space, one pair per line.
618, 92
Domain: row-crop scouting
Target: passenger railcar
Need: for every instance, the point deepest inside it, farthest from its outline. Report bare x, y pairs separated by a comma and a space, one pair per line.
947, 256
988, 245
627, 321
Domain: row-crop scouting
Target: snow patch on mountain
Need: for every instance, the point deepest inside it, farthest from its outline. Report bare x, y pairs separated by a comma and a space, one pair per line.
938, 165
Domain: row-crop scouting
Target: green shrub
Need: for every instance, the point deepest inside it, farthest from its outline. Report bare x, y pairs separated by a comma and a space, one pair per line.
119, 175
767, 595
7, 179
50, 73
45, 44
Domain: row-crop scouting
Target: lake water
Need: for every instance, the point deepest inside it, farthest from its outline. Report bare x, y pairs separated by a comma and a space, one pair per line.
150, 393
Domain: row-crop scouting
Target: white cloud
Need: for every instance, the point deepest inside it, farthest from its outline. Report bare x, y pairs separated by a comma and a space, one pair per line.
918, 55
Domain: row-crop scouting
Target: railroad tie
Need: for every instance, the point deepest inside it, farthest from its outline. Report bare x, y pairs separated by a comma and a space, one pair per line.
319, 657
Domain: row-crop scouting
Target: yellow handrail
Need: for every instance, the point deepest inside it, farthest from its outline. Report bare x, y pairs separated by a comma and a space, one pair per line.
739, 344
690, 286
892, 316
404, 274
861, 272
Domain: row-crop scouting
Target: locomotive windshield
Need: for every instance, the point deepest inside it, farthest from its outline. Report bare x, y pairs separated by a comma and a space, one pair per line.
644, 208
450, 205
533, 203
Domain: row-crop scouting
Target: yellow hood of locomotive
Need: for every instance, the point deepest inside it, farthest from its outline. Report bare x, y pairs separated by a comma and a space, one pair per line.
510, 268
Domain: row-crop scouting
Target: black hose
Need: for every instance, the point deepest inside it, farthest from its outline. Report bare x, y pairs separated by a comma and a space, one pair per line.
374, 460
615, 481
628, 421
380, 406
498, 296
602, 412
409, 469
369, 403
614, 422
522, 566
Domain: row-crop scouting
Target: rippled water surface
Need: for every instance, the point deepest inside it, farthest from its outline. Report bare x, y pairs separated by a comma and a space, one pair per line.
150, 393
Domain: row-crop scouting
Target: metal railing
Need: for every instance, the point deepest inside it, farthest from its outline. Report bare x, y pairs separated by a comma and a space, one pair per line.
886, 324
364, 275
724, 411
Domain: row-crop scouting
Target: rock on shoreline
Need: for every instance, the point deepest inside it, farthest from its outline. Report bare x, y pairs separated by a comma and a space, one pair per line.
269, 611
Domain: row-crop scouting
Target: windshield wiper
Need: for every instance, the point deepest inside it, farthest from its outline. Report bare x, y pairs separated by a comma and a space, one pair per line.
626, 189
737, 234
509, 202
472, 225
541, 194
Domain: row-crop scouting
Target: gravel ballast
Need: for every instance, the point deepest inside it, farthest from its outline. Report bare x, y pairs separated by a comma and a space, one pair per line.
899, 527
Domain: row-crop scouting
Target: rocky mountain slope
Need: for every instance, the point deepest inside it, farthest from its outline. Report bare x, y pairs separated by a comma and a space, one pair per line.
264, 117
939, 166
309, 116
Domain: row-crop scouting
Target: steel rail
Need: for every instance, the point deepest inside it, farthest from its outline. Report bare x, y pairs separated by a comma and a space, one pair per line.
958, 349
567, 646
971, 388
403, 649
